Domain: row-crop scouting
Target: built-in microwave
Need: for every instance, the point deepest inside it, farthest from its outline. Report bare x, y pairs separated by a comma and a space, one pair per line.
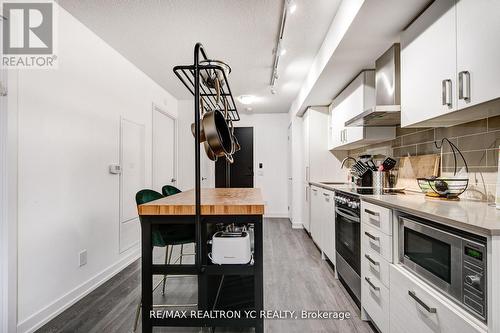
449, 259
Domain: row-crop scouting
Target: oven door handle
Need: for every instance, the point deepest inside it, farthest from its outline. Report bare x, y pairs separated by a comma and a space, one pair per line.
351, 219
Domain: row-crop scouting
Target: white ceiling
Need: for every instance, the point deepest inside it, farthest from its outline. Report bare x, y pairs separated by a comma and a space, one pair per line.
157, 35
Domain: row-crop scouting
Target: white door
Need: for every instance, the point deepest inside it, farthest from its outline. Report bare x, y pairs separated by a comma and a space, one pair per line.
428, 64
132, 179
164, 149
478, 50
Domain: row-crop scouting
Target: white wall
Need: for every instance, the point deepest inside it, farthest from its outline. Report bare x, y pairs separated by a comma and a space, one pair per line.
270, 149
69, 123
186, 150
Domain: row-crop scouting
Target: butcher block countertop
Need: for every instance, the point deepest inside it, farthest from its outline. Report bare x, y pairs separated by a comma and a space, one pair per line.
214, 201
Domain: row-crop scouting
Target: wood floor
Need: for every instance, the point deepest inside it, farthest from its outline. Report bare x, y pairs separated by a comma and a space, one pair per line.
295, 278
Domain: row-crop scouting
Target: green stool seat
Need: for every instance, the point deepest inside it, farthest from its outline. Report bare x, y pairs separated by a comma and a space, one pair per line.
170, 190
163, 235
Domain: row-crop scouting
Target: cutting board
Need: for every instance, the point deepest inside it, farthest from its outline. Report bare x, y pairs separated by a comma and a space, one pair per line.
413, 167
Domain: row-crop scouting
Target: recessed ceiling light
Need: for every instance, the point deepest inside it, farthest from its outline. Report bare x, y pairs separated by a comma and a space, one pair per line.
248, 109
292, 8
246, 99
282, 52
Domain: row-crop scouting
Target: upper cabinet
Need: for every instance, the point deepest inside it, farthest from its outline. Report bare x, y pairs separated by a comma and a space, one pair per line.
478, 51
357, 97
449, 62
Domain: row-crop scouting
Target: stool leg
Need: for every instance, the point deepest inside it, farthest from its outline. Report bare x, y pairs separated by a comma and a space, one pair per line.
168, 257
137, 313
182, 252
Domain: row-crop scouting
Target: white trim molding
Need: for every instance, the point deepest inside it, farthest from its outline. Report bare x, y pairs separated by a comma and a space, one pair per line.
49, 312
8, 201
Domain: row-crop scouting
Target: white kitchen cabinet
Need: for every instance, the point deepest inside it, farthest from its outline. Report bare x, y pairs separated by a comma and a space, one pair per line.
478, 50
449, 62
356, 98
376, 258
328, 223
322, 223
416, 308
319, 164
316, 212
428, 65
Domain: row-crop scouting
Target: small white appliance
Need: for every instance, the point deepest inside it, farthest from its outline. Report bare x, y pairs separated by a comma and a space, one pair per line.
231, 248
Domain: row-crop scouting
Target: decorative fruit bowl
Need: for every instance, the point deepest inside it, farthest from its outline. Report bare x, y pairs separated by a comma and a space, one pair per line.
449, 188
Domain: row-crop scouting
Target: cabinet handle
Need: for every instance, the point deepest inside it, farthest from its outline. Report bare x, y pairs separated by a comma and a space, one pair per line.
326, 194
370, 283
464, 85
314, 190
419, 301
345, 135
376, 263
367, 211
446, 90
307, 195
371, 236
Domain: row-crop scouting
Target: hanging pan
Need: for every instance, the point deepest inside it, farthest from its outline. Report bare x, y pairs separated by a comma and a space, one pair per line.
215, 131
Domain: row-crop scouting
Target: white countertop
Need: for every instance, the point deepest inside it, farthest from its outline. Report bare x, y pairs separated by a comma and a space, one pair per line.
473, 216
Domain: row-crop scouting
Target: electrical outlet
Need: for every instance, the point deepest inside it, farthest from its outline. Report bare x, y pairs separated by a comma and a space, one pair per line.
83, 258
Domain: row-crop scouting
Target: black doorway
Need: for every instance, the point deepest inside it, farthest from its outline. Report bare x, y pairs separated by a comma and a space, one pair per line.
240, 173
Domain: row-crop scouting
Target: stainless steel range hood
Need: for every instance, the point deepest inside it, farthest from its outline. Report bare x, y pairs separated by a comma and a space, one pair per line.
387, 111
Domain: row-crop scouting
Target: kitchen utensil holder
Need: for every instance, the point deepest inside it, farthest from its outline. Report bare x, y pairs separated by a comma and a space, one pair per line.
380, 181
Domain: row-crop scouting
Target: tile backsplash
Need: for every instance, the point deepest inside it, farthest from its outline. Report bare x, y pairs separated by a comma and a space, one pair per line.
477, 140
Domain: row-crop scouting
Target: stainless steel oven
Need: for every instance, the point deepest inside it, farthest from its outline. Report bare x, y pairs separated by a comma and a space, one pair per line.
451, 260
348, 241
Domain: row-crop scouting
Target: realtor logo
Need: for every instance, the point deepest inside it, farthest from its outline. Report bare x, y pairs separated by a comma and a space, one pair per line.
28, 34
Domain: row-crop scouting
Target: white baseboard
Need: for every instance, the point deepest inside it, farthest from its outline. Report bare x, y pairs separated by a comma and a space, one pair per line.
296, 225
277, 215
52, 310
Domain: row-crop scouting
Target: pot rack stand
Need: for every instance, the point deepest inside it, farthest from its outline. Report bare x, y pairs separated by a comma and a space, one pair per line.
220, 287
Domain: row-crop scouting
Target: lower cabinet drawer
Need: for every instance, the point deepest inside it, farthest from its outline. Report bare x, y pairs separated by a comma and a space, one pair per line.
375, 299
415, 308
376, 241
372, 263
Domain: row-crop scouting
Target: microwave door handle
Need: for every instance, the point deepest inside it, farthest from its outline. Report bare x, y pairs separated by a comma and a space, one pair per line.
420, 302
351, 219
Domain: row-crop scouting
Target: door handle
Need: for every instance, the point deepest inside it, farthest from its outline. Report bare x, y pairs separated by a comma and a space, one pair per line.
371, 236
367, 211
446, 91
376, 263
173, 180
422, 303
370, 283
464, 85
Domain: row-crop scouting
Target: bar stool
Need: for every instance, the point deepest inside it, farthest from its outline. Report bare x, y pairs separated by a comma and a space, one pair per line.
165, 236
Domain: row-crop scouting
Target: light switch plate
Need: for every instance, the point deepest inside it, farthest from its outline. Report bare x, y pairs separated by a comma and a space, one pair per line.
115, 169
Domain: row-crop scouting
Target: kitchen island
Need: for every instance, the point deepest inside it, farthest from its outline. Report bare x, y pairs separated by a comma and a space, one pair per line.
218, 206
